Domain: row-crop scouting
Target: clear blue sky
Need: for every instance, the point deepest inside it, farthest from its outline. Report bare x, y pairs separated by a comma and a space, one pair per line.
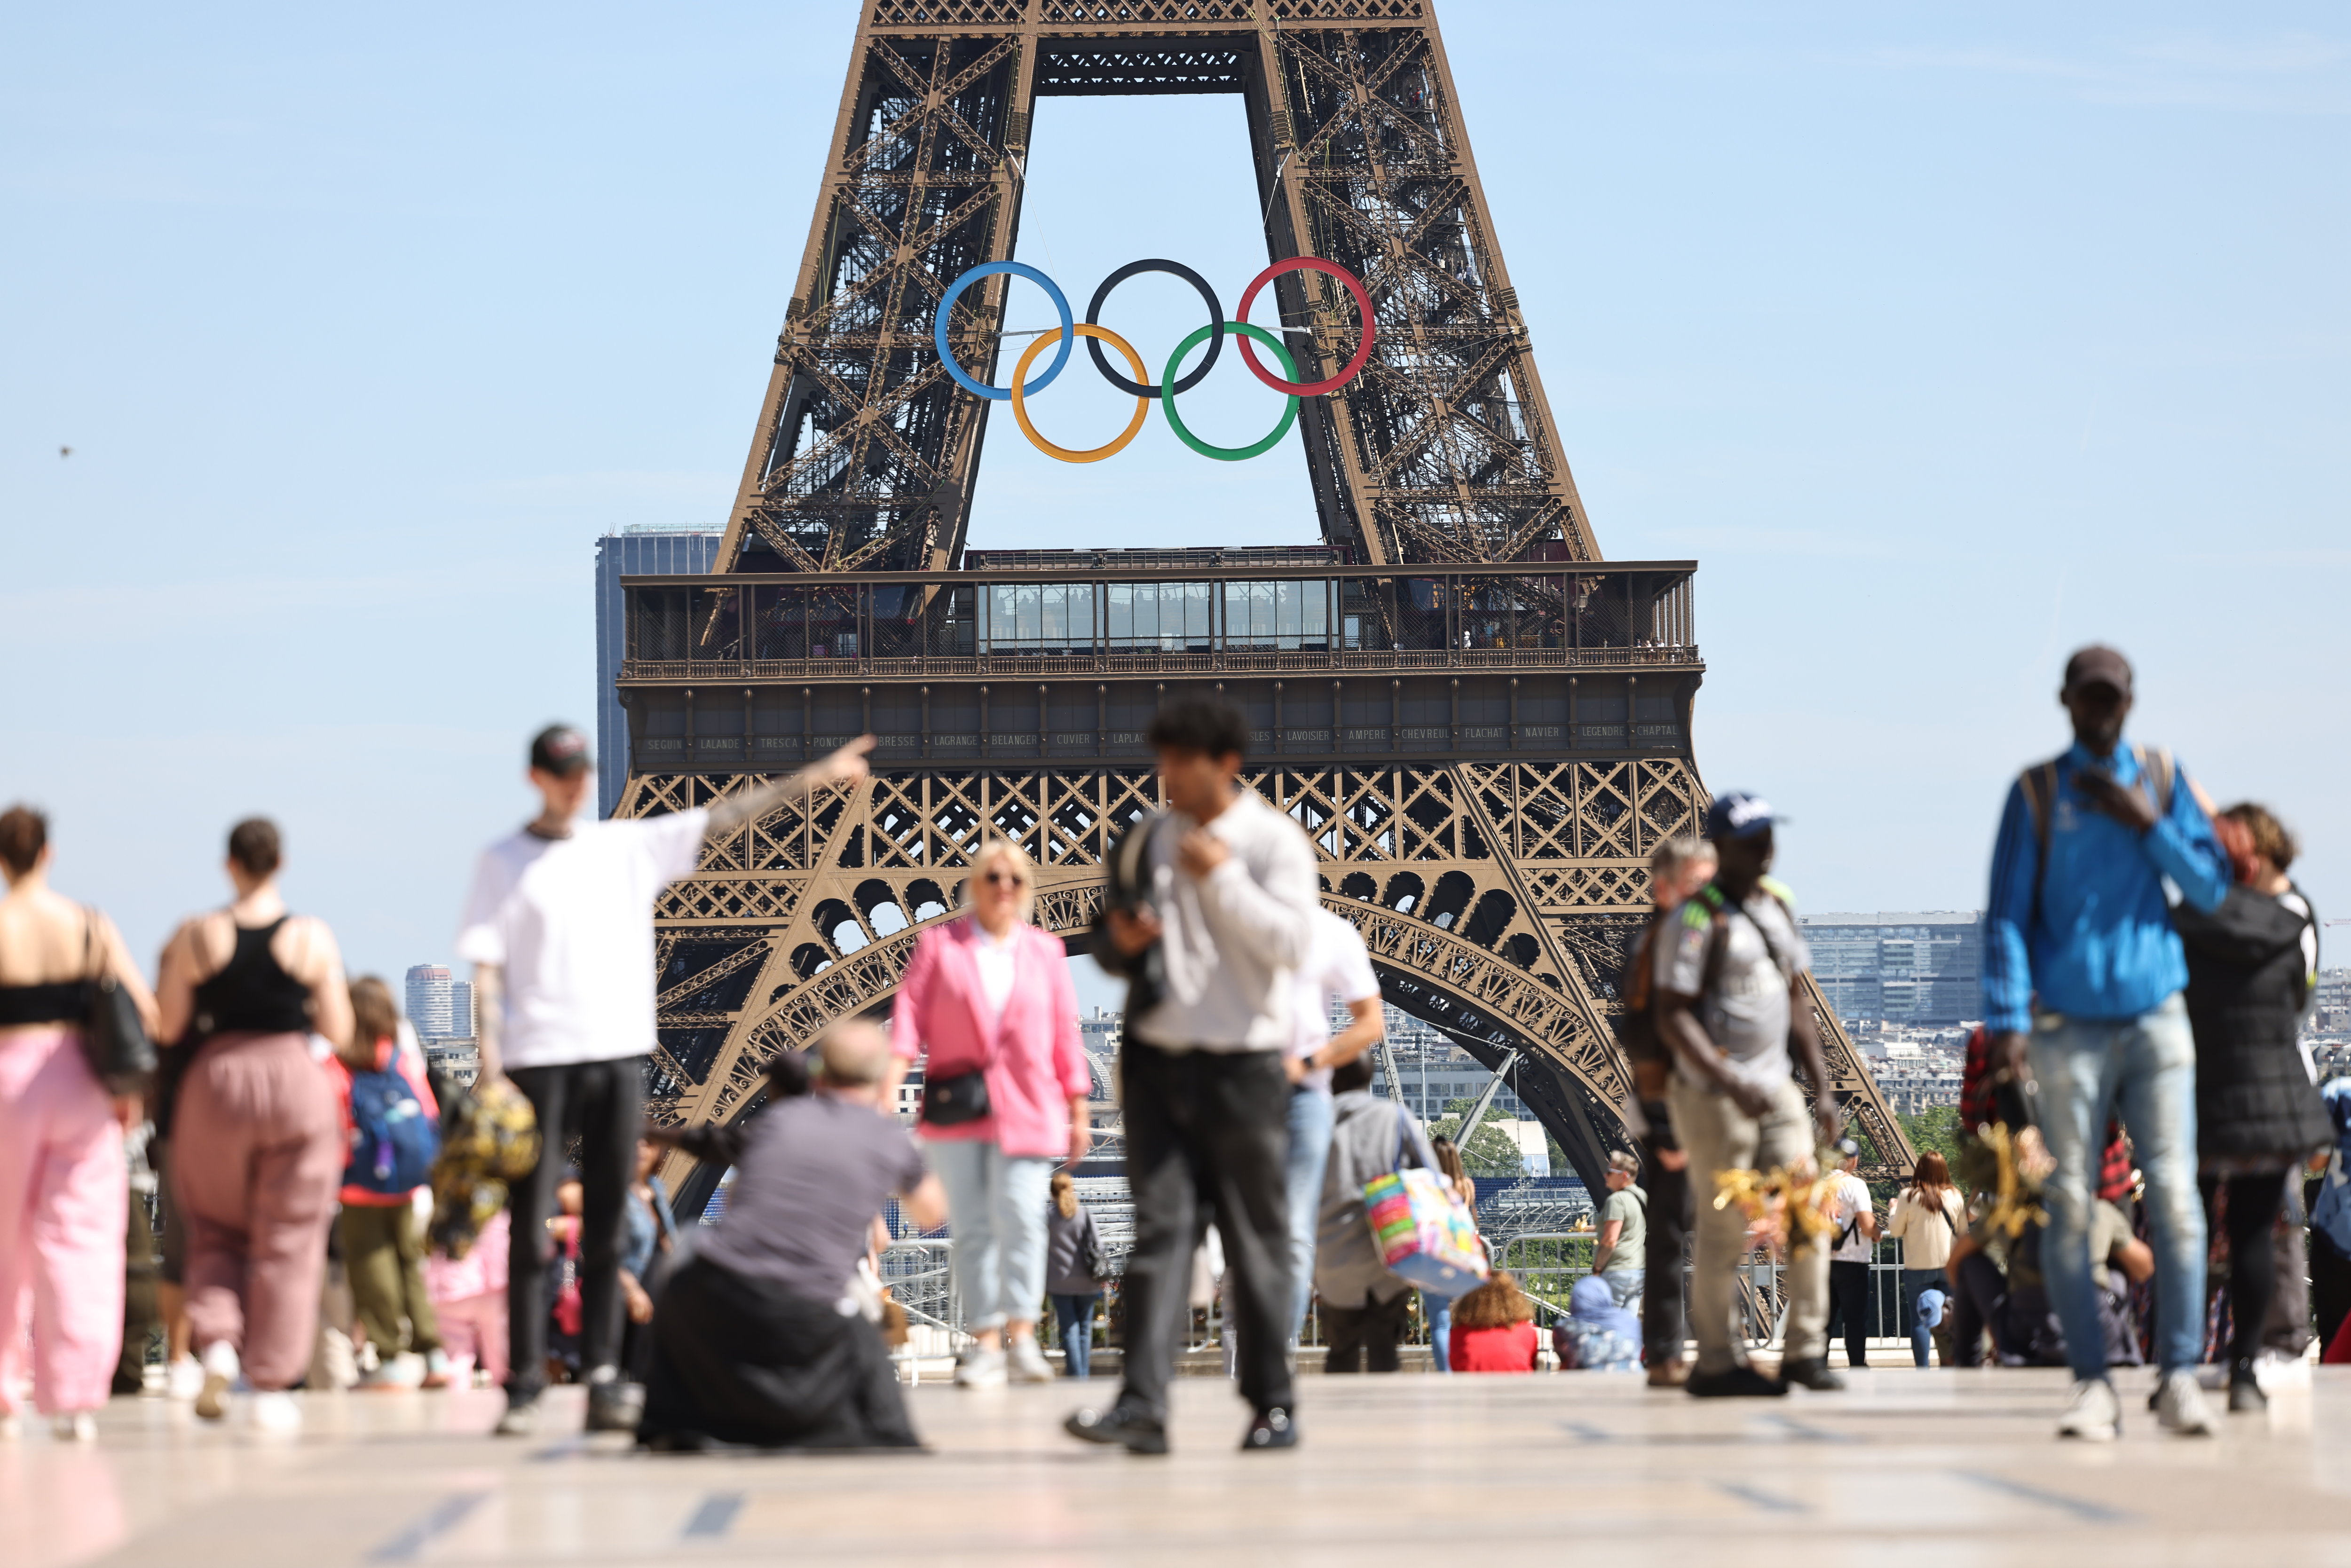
1946, 337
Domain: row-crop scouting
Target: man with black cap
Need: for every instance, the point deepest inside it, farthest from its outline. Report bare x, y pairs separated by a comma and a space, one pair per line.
1730, 1004
559, 927
2081, 958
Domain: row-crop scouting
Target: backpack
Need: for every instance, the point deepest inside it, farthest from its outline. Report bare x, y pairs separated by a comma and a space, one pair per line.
2040, 782
393, 1141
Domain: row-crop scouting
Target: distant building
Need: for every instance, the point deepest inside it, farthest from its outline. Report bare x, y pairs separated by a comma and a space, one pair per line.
461, 1059
1101, 1031
1433, 1071
2330, 1012
428, 998
633, 552
461, 1008
1911, 968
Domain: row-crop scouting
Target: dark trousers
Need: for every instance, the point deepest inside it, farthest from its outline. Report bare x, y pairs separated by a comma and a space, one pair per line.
1207, 1139
1850, 1303
742, 1360
2254, 1204
1075, 1317
1664, 1258
1366, 1333
603, 1103
1978, 1305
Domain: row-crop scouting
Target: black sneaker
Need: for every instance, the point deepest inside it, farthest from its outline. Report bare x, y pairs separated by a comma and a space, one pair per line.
616, 1406
1121, 1426
1739, 1382
1814, 1373
1272, 1428
521, 1417
2245, 1396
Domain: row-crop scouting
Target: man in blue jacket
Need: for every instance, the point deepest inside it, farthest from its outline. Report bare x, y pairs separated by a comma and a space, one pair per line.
2082, 980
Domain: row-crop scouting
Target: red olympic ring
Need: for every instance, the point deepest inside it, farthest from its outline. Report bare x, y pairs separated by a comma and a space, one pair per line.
1363, 304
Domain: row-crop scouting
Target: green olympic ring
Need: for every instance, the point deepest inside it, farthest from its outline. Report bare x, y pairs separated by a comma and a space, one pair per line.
1167, 392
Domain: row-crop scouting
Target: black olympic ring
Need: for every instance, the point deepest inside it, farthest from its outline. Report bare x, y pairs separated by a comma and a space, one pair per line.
1175, 268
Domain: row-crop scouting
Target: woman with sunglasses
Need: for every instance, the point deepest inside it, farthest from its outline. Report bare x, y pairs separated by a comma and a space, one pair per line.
988, 997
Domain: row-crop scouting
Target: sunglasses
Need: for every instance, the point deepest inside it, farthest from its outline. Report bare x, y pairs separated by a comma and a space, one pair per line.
1004, 878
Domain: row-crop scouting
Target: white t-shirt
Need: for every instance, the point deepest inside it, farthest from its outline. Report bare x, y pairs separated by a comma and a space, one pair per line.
571, 923
996, 961
1336, 966
1852, 1198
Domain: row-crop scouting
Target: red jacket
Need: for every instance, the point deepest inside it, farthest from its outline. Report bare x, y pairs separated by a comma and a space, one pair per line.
1039, 1065
1510, 1349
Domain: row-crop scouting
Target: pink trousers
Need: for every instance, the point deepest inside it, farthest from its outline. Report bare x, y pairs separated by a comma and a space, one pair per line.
257, 1155
473, 1331
64, 1192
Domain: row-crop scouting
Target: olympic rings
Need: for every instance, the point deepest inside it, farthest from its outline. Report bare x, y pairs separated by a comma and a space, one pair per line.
1213, 334
1095, 455
1362, 303
1169, 385
1174, 268
989, 269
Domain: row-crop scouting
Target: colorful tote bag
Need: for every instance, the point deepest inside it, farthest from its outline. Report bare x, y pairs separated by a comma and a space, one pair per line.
1422, 1230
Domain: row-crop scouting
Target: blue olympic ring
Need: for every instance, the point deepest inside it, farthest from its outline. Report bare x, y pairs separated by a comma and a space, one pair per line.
991, 270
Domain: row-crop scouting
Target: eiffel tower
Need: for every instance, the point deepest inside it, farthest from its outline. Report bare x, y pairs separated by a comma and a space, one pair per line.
1484, 725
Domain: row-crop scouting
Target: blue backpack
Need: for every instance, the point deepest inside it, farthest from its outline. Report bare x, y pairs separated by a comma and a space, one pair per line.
393, 1141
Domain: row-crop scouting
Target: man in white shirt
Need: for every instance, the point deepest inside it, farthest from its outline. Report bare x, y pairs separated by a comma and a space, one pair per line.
559, 927
1857, 1243
1231, 891
1337, 967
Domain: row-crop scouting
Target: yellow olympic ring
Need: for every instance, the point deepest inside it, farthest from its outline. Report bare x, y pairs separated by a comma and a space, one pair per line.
1020, 403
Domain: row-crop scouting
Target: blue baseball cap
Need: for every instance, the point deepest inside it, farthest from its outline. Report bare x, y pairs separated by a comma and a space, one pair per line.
1738, 815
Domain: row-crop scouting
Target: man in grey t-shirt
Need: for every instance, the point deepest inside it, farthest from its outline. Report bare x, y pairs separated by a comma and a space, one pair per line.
1730, 1005
1621, 1259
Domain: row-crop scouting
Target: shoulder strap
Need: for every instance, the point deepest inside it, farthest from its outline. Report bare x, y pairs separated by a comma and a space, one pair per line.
2154, 764
1717, 937
92, 968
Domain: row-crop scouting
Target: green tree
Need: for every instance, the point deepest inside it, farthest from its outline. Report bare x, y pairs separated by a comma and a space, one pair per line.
1935, 1128
1489, 1151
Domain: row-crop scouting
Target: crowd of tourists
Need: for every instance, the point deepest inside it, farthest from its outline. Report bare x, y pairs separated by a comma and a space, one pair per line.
2136, 1090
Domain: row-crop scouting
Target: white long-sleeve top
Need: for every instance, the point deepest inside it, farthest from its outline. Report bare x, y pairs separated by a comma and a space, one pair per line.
1234, 940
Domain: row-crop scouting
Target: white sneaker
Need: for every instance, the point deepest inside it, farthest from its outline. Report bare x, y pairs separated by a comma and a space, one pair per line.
2180, 1405
1028, 1363
275, 1412
2095, 1415
185, 1378
220, 1369
74, 1426
405, 1370
980, 1369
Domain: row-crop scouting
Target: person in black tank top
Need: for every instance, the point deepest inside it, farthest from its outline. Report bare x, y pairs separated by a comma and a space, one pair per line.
257, 1148
253, 992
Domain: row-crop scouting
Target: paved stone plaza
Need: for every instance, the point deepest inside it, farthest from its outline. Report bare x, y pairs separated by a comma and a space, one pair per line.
1916, 1468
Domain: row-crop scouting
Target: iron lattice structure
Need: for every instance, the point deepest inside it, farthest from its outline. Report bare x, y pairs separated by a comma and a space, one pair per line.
1488, 739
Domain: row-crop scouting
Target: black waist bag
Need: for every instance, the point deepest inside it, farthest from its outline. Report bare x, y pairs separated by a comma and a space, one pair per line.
952, 1102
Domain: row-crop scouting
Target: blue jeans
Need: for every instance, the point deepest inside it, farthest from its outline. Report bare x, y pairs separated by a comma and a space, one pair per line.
2085, 1067
1439, 1311
1922, 1338
1075, 1315
1310, 1118
995, 1212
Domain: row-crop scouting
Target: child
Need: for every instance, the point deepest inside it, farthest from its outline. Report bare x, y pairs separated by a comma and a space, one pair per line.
393, 1125
469, 1298
1598, 1335
1493, 1328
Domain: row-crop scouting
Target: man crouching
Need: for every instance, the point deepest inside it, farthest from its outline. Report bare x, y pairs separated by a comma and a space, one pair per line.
751, 1342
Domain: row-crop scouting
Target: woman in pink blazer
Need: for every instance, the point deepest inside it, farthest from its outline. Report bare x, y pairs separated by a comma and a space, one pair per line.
989, 998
